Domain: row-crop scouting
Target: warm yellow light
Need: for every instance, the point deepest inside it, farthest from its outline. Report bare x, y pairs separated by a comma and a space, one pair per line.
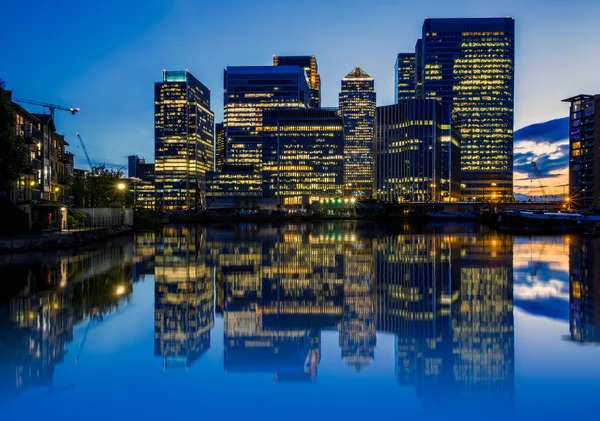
32, 183
55, 189
567, 199
120, 290
353, 200
121, 186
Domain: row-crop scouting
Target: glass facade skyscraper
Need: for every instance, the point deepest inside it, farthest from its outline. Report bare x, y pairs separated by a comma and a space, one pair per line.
408, 151
357, 102
302, 155
469, 65
248, 91
405, 75
183, 136
584, 158
309, 64
219, 146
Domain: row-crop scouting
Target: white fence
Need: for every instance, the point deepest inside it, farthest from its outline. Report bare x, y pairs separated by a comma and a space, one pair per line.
107, 217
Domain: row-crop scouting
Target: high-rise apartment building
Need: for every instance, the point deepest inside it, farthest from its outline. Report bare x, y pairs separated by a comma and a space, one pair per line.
405, 77
302, 155
584, 137
309, 64
219, 146
248, 91
408, 151
468, 64
357, 102
183, 149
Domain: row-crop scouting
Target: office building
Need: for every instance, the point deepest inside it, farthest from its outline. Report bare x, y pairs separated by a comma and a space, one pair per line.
219, 146
584, 136
184, 149
238, 186
132, 162
468, 64
357, 102
248, 91
309, 64
302, 155
405, 77
408, 151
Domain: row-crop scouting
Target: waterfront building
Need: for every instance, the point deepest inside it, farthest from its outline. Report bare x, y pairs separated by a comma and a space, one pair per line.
302, 155
357, 101
184, 149
233, 186
248, 91
309, 64
468, 64
27, 126
405, 77
408, 151
584, 159
219, 146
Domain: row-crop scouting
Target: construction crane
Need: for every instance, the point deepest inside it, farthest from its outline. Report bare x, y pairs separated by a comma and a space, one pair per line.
85, 151
51, 107
541, 182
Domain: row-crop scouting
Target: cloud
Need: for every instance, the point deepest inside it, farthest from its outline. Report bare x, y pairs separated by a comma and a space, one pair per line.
547, 145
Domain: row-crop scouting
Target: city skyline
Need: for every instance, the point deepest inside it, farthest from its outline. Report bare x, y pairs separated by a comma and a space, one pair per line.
536, 49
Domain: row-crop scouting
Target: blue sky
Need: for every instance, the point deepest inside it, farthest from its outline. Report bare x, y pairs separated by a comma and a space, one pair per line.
105, 56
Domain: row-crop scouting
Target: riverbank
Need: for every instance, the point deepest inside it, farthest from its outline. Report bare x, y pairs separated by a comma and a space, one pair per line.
58, 240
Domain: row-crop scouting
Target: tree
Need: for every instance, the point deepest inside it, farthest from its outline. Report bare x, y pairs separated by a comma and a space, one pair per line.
100, 189
13, 149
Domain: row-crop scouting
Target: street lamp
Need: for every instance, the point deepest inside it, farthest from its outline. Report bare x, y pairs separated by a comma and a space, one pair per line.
121, 186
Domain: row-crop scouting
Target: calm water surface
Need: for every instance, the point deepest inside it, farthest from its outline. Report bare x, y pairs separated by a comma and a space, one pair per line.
332, 321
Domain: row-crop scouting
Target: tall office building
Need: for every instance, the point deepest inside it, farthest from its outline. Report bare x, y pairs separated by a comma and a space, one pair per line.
309, 64
584, 136
132, 162
183, 133
468, 64
248, 91
357, 101
219, 146
302, 155
405, 77
408, 151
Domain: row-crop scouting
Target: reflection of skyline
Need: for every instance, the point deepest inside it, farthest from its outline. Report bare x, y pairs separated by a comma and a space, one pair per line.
584, 293
49, 297
446, 298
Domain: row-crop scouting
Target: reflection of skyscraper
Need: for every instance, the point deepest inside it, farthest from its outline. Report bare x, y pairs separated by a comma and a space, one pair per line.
183, 312
483, 323
584, 293
357, 328
448, 298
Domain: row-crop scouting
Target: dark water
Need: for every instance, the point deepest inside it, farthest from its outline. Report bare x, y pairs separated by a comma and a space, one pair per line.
333, 321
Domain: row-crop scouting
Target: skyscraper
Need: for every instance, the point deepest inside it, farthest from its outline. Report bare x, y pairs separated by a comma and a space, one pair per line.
469, 65
584, 135
408, 151
357, 105
183, 132
219, 146
309, 64
248, 91
406, 82
302, 155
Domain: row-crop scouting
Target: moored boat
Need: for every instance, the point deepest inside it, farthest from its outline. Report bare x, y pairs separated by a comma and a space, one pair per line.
543, 221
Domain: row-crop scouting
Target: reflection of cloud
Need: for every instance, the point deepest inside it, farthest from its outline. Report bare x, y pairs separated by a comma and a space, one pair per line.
541, 276
547, 144
541, 290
